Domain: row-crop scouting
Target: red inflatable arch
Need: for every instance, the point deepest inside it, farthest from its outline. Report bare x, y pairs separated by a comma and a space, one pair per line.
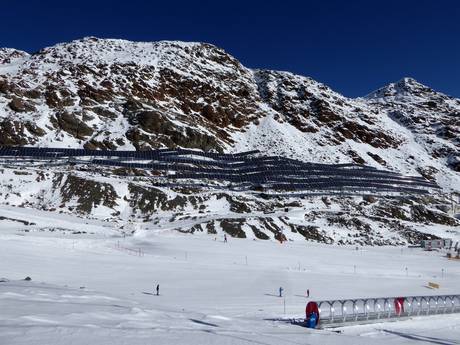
312, 307
399, 305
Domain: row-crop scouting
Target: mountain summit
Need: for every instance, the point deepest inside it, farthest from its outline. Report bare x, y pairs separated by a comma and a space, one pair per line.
406, 87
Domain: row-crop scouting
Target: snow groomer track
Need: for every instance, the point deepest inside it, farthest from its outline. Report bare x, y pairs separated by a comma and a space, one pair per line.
335, 313
246, 170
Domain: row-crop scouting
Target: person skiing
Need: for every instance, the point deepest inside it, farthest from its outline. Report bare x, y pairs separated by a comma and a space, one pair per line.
308, 292
158, 289
225, 238
281, 291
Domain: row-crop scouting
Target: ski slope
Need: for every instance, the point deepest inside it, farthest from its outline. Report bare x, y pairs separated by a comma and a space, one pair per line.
95, 288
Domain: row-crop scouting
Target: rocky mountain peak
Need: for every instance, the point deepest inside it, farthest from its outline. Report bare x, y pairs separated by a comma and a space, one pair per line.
8, 55
433, 117
405, 87
92, 50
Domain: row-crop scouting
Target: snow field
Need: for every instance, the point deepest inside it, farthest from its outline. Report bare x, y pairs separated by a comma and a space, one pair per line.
85, 288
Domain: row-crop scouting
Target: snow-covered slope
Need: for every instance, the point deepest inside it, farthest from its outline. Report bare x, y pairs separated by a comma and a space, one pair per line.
432, 117
116, 94
120, 94
96, 289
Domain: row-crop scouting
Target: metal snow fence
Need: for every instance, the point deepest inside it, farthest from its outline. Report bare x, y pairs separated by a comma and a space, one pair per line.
363, 310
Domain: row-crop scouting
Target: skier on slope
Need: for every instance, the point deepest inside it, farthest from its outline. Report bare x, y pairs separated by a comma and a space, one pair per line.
225, 238
281, 291
158, 289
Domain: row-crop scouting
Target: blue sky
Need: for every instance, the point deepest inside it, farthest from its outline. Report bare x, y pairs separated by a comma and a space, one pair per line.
352, 46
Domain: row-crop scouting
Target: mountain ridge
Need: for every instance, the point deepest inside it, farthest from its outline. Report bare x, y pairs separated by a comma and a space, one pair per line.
109, 93
120, 95
8, 50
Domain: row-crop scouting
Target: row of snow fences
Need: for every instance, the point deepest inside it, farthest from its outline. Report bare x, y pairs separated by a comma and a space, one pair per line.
138, 155
266, 172
335, 312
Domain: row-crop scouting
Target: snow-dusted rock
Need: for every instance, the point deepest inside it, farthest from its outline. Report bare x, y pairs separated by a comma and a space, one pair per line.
116, 94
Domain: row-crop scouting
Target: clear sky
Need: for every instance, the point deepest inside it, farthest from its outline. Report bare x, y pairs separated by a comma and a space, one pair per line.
352, 46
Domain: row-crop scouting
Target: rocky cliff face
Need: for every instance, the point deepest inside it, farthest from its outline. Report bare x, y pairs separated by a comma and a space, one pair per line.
115, 94
110, 94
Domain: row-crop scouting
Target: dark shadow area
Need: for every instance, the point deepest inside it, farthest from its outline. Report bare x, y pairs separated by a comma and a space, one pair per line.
423, 338
204, 323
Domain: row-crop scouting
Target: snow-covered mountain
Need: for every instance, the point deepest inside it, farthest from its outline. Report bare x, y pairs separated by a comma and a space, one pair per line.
115, 94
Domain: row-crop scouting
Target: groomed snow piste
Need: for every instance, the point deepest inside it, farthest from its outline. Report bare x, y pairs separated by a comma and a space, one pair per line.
96, 288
